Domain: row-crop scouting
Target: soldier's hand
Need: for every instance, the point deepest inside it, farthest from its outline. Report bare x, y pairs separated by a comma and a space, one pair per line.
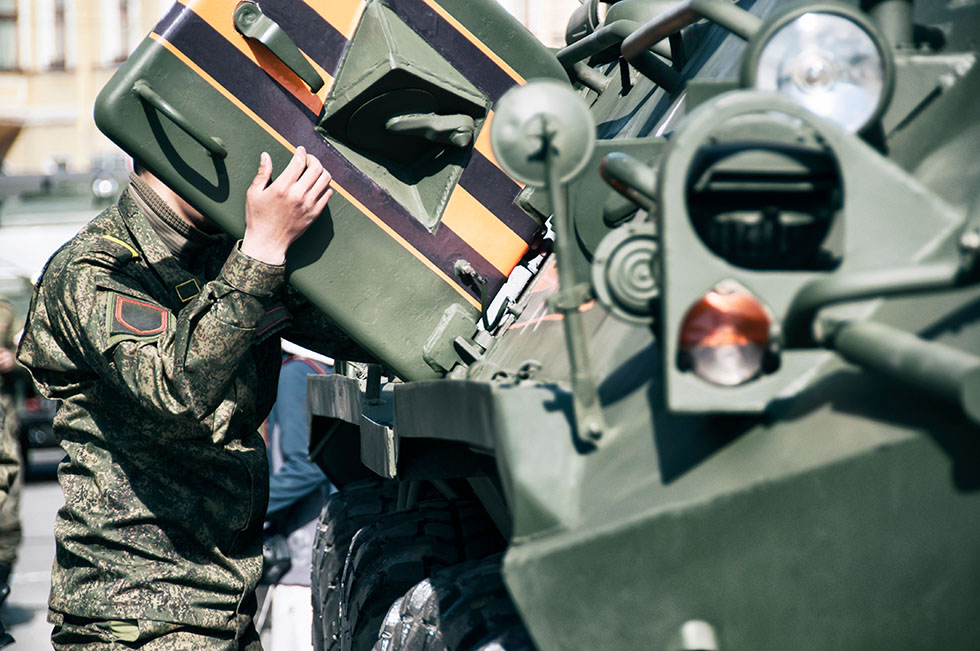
277, 213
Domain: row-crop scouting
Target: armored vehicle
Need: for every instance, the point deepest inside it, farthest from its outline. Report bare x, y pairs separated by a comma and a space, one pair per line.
674, 330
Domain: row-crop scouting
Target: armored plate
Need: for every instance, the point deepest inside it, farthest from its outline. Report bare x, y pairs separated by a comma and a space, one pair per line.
198, 101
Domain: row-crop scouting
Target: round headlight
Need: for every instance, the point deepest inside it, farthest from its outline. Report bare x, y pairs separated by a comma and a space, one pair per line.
829, 60
726, 336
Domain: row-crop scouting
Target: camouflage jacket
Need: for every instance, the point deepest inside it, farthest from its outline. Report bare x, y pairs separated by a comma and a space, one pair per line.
164, 378
6, 324
7, 319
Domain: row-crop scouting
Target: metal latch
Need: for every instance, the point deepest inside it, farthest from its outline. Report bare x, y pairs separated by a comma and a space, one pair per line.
252, 23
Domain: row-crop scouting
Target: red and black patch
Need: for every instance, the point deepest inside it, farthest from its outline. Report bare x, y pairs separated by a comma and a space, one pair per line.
132, 317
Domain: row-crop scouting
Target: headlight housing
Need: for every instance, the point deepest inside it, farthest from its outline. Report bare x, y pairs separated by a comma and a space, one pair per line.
827, 58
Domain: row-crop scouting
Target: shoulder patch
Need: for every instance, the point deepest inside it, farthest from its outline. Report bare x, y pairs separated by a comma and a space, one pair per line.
130, 251
130, 318
119, 250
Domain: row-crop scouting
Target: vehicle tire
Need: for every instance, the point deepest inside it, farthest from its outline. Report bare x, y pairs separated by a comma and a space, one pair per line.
463, 608
344, 512
391, 555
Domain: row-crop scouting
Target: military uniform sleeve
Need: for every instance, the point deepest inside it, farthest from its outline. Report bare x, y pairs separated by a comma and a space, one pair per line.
178, 365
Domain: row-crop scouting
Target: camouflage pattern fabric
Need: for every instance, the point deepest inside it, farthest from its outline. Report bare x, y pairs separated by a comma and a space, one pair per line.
11, 476
164, 377
76, 634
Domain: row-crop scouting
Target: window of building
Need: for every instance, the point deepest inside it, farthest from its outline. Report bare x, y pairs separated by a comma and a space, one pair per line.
123, 50
58, 45
8, 34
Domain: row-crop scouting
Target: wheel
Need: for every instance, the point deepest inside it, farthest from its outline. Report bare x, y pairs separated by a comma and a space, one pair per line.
462, 608
400, 549
343, 514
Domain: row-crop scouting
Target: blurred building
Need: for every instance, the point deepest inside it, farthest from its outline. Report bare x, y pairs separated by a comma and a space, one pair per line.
55, 55
57, 170
545, 18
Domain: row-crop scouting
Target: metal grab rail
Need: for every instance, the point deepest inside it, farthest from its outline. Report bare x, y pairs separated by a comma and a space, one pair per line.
941, 370
641, 43
731, 17
605, 37
798, 324
213, 144
631, 178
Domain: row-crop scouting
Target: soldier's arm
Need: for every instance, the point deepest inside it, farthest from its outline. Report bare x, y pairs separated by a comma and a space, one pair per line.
179, 365
185, 364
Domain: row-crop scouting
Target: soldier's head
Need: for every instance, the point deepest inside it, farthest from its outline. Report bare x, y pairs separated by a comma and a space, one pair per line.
184, 210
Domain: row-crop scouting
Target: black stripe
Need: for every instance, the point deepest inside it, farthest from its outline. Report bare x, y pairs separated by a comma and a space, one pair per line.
246, 81
458, 50
481, 178
491, 186
180, 20
167, 21
314, 35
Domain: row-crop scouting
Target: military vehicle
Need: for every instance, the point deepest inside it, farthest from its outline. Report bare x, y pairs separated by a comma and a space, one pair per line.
673, 332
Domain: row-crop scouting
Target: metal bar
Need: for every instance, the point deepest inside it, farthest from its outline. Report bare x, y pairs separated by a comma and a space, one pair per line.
798, 324
605, 37
731, 17
145, 92
589, 420
931, 366
373, 394
252, 23
592, 79
657, 71
486, 491
631, 178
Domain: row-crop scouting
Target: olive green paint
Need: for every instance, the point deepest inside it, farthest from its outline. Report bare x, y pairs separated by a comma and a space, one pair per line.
327, 263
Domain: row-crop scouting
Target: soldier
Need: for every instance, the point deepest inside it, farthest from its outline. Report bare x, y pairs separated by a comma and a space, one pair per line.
10, 470
11, 478
160, 338
297, 490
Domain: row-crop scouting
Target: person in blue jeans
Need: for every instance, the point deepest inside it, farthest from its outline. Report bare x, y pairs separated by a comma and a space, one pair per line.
297, 491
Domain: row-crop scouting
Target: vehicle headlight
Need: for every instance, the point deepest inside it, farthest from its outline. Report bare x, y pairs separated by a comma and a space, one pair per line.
726, 336
828, 59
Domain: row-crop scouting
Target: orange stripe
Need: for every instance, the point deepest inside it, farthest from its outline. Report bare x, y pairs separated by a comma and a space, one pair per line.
458, 26
220, 16
343, 15
482, 145
482, 230
340, 190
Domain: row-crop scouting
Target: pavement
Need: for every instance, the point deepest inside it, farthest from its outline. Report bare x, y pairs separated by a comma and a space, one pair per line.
25, 611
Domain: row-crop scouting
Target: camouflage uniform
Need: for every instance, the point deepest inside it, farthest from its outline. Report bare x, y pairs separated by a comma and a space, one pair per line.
11, 478
164, 374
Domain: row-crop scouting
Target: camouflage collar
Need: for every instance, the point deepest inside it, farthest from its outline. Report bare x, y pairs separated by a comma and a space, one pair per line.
182, 285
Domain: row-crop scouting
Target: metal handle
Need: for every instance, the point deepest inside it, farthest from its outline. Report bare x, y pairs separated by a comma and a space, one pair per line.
631, 178
455, 130
945, 371
877, 283
252, 23
728, 15
145, 92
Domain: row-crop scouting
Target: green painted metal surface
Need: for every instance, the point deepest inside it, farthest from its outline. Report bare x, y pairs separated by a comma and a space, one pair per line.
202, 96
